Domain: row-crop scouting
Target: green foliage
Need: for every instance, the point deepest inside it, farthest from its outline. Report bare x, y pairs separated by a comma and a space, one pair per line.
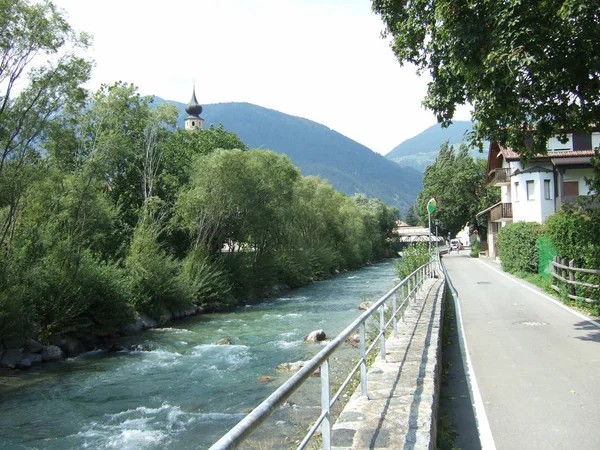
506, 59
475, 249
156, 287
413, 257
458, 183
517, 246
206, 280
576, 235
412, 216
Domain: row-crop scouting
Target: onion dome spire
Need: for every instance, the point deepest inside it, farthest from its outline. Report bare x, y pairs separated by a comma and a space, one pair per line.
193, 108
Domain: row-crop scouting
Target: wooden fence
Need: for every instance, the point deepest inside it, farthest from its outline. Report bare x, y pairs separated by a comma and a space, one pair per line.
566, 271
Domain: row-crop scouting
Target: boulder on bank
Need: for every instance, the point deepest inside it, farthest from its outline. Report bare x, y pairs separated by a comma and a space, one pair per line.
291, 366
71, 346
52, 353
32, 346
296, 366
29, 359
353, 340
315, 336
11, 358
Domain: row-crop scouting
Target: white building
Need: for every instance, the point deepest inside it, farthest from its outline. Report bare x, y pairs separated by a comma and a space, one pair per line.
534, 191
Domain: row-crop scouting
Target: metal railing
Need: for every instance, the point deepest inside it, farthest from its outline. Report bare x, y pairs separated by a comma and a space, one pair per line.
408, 288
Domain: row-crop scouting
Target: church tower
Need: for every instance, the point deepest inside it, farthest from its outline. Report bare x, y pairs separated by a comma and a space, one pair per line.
194, 109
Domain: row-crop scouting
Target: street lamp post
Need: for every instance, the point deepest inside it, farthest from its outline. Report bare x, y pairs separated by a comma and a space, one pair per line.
437, 222
431, 204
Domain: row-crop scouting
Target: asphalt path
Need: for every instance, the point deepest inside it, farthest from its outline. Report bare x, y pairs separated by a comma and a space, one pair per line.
536, 363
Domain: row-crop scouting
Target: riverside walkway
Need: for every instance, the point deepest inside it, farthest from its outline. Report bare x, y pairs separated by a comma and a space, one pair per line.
536, 362
400, 409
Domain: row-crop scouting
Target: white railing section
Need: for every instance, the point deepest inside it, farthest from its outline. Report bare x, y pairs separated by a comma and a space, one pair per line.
407, 290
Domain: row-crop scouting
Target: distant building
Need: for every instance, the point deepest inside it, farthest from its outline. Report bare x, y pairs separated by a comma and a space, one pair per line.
194, 109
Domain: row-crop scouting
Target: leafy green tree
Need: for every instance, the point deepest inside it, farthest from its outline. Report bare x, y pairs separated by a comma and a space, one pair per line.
412, 216
457, 181
40, 74
530, 69
239, 198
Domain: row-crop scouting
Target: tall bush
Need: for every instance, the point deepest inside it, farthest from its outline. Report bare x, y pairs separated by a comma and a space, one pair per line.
156, 287
412, 258
517, 246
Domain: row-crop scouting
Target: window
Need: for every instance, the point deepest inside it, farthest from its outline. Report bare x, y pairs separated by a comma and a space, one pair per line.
530, 192
516, 191
570, 188
582, 142
547, 190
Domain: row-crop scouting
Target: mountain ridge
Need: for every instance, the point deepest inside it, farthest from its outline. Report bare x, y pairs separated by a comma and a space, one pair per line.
421, 150
315, 149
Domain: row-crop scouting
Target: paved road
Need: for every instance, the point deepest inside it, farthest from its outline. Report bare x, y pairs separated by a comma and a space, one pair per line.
537, 364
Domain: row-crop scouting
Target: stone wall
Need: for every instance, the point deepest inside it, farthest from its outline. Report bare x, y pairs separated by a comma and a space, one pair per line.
400, 410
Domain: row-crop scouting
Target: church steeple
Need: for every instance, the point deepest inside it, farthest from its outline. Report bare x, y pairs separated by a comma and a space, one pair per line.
194, 109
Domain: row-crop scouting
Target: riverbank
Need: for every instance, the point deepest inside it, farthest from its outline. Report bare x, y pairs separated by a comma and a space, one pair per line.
21, 354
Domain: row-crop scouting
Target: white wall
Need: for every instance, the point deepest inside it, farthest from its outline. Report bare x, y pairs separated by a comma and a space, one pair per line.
579, 175
538, 208
595, 140
555, 145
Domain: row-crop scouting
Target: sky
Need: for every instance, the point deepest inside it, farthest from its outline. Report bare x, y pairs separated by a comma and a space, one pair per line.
323, 60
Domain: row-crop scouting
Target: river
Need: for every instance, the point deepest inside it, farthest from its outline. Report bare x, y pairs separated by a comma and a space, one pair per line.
181, 390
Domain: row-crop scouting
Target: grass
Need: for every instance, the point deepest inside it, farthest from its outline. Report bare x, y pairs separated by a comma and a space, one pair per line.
546, 286
446, 431
446, 437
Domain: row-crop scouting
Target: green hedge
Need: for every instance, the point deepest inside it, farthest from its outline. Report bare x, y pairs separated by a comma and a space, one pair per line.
517, 247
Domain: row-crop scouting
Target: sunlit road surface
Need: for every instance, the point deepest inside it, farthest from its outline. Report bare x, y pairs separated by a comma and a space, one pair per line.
536, 363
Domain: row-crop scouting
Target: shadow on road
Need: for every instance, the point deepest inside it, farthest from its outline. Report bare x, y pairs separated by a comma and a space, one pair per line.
455, 397
594, 331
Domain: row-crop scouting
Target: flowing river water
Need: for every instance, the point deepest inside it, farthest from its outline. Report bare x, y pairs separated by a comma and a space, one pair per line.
181, 390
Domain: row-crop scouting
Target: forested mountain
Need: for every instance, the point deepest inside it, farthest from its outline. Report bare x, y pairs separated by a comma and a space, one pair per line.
421, 150
316, 150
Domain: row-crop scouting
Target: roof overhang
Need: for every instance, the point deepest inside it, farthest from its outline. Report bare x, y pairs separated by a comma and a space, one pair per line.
573, 161
481, 213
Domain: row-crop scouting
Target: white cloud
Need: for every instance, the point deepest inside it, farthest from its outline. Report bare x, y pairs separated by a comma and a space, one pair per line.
319, 59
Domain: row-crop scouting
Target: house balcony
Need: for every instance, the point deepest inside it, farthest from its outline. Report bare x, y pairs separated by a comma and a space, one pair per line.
502, 212
499, 177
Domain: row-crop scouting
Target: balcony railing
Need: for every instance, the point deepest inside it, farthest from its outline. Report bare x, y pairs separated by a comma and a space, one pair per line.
502, 212
500, 177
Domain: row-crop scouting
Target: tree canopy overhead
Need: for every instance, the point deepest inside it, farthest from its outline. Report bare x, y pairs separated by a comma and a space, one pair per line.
529, 68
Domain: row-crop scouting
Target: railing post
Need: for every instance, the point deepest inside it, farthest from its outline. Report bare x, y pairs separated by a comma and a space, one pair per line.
395, 316
382, 329
363, 361
415, 287
326, 424
403, 298
572, 277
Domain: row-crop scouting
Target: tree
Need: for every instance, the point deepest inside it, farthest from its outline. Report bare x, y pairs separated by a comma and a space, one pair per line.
458, 182
530, 69
412, 216
38, 45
